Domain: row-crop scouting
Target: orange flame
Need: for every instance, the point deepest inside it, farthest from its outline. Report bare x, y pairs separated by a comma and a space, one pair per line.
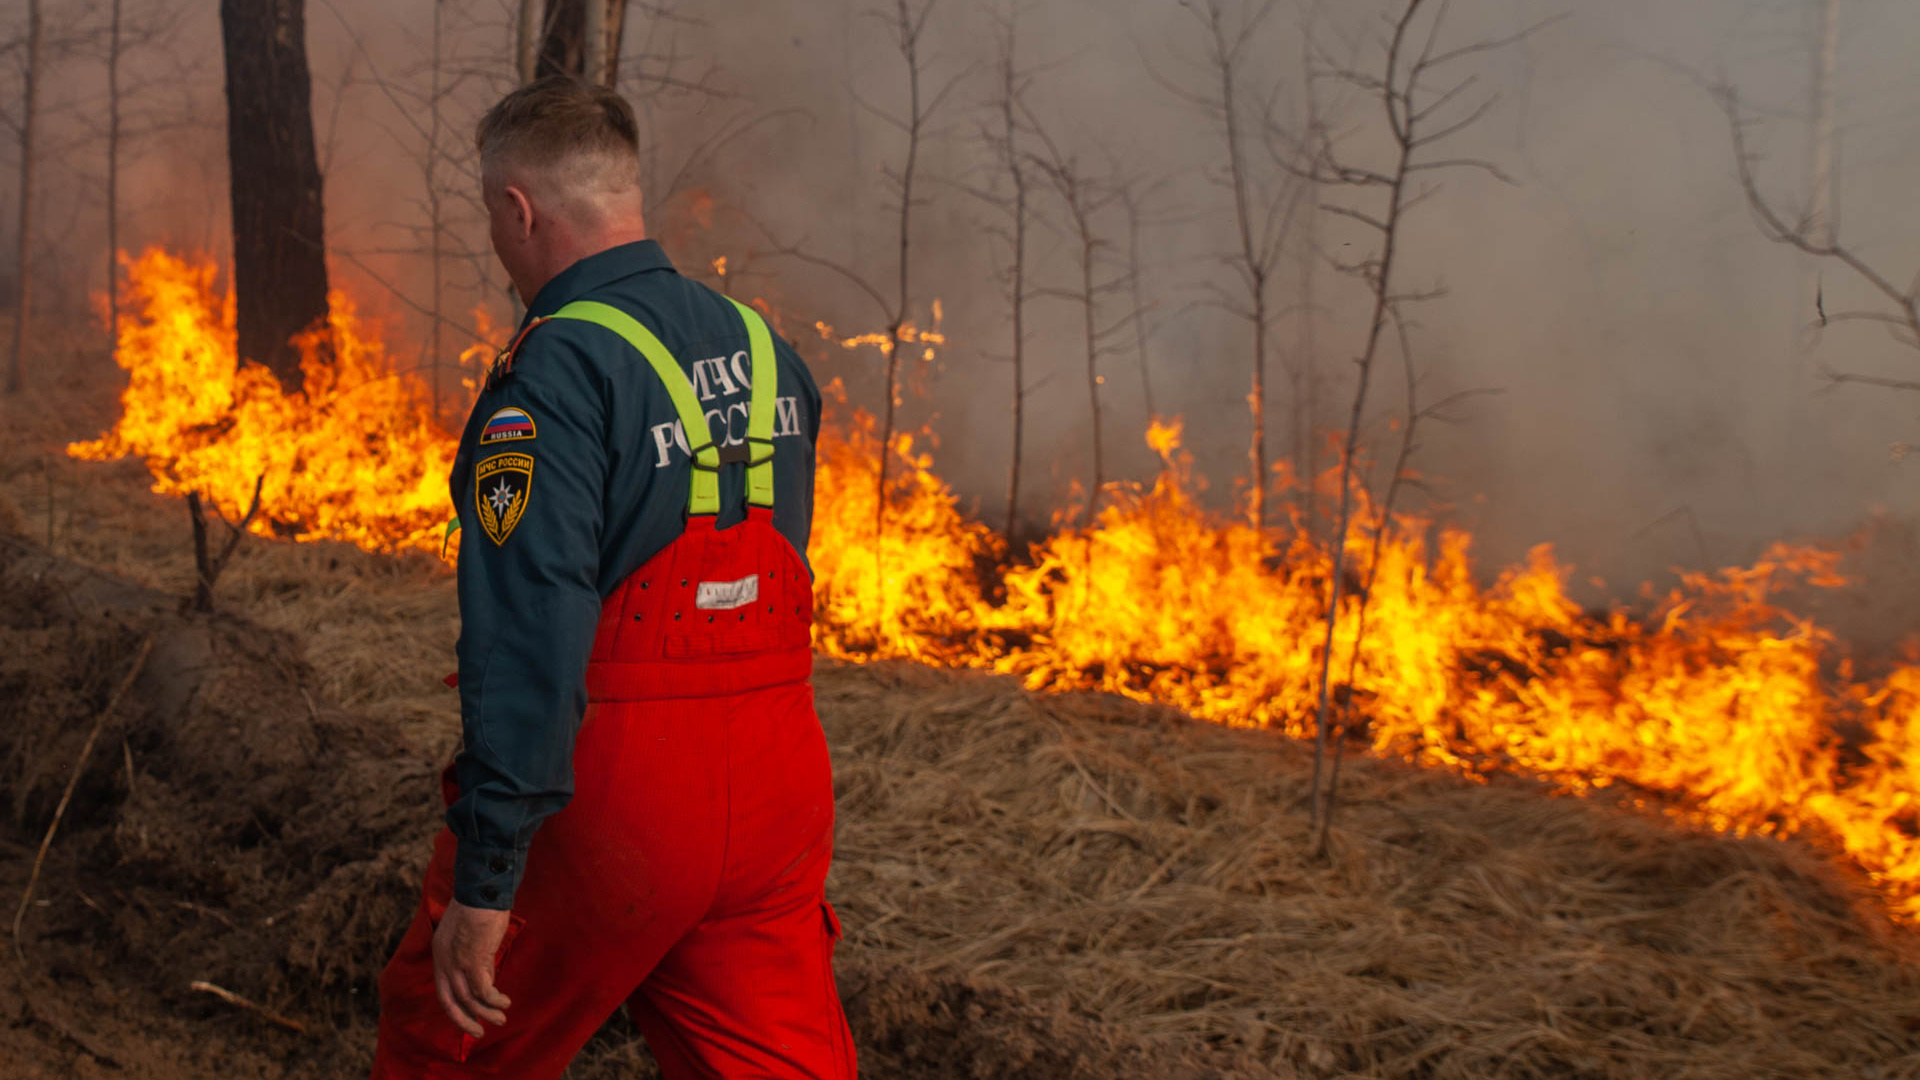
1716, 706
357, 457
910, 334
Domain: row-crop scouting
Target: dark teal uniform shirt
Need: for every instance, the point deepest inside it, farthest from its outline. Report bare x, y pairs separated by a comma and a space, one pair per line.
579, 452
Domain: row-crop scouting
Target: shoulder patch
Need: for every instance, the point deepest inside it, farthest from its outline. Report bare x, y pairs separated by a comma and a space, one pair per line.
502, 484
506, 425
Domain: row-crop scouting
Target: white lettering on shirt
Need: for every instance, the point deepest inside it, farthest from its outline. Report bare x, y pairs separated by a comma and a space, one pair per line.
671, 436
711, 379
786, 417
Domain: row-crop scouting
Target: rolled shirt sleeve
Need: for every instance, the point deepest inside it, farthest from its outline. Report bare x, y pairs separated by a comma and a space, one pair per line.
529, 484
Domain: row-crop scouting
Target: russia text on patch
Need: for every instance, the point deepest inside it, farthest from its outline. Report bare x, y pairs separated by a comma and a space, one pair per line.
507, 424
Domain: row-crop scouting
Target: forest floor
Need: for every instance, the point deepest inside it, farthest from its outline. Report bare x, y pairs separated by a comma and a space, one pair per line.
1032, 886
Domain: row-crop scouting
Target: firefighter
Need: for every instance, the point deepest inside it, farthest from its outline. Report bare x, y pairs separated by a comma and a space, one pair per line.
642, 808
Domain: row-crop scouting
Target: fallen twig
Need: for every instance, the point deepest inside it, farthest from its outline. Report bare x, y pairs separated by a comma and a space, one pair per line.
113, 703
232, 998
203, 911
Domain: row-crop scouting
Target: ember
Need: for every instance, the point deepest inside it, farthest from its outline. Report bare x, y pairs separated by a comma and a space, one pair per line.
1715, 705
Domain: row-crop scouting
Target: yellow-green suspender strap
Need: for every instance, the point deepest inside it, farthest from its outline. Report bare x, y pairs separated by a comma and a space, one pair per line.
707, 458
760, 407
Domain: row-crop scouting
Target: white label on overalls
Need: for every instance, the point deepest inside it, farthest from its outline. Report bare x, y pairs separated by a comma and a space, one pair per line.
727, 595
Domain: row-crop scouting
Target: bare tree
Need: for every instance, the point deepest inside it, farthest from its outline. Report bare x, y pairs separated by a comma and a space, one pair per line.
123, 37
526, 43
910, 26
669, 76
907, 23
279, 230
23, 306
1821, 159
1380, 531
1082, 198
113, 175
1814, 233
581, 37
440, 226
1133, 196
1417, 116
449, 204
601, 50
436, 208
1264, 200
1010, 193
1304, 372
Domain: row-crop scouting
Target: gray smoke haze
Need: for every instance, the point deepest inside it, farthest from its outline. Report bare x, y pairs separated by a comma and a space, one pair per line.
1654, 410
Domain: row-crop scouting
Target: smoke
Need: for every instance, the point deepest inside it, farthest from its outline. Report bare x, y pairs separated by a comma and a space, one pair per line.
1654, 408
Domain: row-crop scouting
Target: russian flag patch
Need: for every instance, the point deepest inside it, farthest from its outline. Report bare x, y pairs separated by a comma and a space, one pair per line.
506, 425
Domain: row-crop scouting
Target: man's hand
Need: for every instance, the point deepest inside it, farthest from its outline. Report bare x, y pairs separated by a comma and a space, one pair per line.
464, 945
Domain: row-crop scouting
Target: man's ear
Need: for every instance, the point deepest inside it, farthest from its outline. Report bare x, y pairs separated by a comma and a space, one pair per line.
522, 210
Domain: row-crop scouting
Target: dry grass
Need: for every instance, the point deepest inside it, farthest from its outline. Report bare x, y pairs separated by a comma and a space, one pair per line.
1082, 886
378, 629
1156, 873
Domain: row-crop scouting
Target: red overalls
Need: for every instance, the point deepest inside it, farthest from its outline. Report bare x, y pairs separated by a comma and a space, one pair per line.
686, 876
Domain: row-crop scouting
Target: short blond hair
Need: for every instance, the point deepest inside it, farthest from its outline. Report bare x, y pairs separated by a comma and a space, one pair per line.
570, 130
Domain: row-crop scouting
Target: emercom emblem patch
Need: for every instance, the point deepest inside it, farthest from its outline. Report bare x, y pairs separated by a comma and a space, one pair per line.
506, 425
502, 484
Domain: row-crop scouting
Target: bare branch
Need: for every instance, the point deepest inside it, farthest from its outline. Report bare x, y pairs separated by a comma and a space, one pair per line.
1457, 127
1347, 212
1487, 167
1496, 43
1774, 227
1839, 377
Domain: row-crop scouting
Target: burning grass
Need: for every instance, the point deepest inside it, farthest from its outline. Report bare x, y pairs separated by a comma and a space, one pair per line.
357, 458
1037, 886
1717, 704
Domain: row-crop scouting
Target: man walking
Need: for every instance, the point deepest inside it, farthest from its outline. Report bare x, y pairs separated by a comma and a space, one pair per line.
642, 810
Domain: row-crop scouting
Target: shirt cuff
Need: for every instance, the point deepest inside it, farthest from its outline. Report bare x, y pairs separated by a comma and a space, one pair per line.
485, 877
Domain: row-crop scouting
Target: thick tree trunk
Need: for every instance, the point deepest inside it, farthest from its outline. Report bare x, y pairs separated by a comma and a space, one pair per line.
17, 366
279, 230
582, 38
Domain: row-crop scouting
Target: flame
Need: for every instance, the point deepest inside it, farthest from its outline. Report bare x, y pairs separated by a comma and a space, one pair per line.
356, 457
1717, 703
910, 334
1718, 707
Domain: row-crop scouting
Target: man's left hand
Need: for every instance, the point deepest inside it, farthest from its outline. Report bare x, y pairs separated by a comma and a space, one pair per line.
464, 945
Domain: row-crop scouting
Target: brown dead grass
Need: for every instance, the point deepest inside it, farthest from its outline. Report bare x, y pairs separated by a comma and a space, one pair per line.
1156, 872
1032, 886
